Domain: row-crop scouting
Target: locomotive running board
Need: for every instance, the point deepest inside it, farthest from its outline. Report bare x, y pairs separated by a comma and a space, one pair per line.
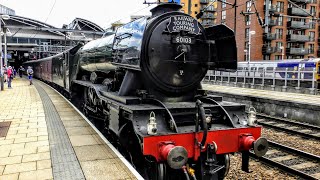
103, 93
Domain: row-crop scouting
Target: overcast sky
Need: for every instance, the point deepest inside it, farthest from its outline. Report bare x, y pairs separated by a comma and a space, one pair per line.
101, 12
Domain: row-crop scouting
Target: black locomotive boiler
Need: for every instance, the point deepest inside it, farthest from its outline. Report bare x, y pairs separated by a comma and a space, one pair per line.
142, 87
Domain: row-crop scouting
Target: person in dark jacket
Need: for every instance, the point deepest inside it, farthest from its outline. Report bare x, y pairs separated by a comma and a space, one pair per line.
20, 71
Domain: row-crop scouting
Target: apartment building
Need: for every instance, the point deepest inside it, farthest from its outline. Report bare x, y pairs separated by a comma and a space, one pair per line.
193, 7
289, 31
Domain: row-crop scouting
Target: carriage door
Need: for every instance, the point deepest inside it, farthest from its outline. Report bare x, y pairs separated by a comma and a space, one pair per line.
65, 69
41, 70
302, 69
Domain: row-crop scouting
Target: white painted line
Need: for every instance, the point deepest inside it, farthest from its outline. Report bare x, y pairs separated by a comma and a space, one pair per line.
124, 160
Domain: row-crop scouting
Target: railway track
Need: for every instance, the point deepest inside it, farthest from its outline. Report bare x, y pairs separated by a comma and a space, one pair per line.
302, 129
293, 161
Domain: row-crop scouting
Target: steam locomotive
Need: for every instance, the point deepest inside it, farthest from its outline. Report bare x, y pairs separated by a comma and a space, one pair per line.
142, 87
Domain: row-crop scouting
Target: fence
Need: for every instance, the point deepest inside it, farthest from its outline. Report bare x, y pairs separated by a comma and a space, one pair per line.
51, 48
301, 80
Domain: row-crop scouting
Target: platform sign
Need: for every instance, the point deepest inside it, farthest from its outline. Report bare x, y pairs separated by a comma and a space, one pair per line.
9, 56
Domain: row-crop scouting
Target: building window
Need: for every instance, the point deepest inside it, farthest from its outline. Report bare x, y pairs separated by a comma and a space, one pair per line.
279, 21
223, 4
279, 33
195, 5
313, 10
312, 24
248, 6
277, 57
248, 20
223, 15
247, 32
312, 35
280, 6
195, 12
246, 45
311, 48
279, 44
266, 57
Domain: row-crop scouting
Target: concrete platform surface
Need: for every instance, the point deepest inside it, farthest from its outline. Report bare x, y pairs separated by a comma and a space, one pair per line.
300, 107
32, 148
275, 95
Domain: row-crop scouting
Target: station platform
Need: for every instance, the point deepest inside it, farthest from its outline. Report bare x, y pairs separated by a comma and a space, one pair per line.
300, 107
42, 136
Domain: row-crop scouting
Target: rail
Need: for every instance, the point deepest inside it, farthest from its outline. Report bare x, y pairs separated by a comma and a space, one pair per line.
297, 128
276, 77
290, 168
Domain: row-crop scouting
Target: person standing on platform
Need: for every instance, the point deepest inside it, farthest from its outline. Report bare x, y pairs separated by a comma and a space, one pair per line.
20, 71
30, 74
14, 72
10, 76
5, 75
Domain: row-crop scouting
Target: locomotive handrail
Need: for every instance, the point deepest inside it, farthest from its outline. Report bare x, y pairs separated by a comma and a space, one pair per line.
168, 111
202, 113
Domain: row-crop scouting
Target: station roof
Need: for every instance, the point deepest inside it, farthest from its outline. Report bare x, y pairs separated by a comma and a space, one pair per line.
83, 24
25, 27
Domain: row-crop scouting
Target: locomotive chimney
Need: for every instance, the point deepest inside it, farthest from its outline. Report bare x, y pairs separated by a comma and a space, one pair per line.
165, 7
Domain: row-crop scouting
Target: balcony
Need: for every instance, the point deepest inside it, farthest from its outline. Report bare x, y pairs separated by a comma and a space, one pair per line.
312, 1
208, 16
298, 25
300, 1
298, 38
206, 23
298, 12
273, 9
211, 9
204, 1
297, 51
270, 50
272, 22
269, 36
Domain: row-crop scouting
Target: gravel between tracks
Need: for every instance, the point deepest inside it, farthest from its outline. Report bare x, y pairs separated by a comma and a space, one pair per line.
260, 171
295, 141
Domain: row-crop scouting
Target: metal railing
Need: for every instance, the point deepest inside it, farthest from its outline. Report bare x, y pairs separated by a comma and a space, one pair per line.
276, 77
51, 48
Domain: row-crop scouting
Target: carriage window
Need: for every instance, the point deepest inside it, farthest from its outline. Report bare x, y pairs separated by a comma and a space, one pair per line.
269, 68
240, 68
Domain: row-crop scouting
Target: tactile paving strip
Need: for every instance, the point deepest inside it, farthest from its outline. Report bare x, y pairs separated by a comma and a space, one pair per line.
65, 164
